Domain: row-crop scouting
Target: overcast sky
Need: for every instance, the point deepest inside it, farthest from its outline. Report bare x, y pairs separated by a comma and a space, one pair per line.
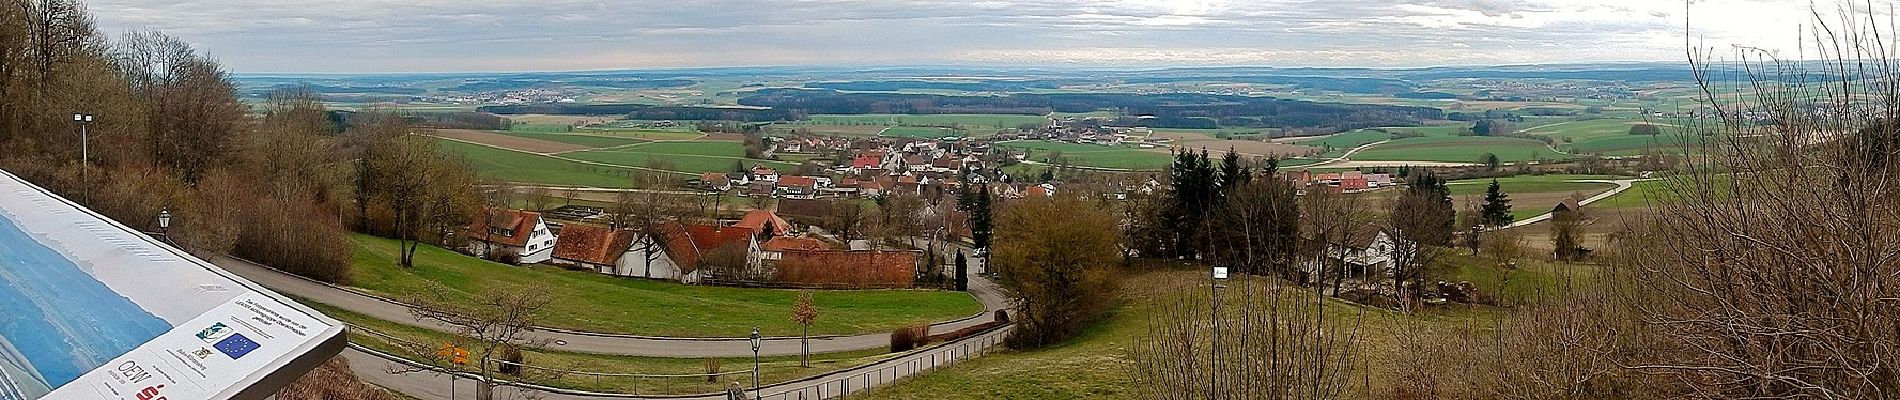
543, 35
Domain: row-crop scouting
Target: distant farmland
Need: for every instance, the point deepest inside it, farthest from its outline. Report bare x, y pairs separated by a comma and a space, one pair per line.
514, 166
967, 121
1458, 149
1098, 156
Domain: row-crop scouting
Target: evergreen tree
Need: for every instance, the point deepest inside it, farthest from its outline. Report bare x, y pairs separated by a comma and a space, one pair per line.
1496, 211
963, 272
1423, 212
1232, 173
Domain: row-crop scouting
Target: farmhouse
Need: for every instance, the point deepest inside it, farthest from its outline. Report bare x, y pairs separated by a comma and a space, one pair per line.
716, 181
502, 231
1361, 255
1569, 204
596, 248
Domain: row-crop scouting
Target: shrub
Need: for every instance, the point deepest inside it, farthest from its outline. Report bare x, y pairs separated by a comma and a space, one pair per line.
513, 360
911, 338
1645, 129
1002, 316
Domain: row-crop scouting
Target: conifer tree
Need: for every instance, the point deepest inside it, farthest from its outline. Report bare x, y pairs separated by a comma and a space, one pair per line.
1496, 211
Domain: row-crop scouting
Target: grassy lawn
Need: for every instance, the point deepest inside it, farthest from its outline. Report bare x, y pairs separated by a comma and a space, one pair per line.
1094, 365
1458, 149
579, 139
772, 369
594, 302
513, 166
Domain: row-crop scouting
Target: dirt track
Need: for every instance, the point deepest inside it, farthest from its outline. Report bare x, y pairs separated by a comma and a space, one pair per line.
509, 142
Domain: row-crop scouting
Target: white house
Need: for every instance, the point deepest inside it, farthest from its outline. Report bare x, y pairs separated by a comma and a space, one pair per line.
522, 232
1361, 256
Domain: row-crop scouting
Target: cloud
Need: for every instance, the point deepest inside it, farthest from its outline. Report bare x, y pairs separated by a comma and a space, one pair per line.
490, 35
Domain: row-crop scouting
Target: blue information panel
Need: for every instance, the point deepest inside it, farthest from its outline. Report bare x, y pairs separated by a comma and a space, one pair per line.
90, 309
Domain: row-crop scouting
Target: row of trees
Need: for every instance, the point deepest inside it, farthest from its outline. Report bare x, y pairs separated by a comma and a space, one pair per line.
274, 182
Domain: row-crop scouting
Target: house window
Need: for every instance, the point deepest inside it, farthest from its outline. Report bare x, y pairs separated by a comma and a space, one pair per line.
531, 248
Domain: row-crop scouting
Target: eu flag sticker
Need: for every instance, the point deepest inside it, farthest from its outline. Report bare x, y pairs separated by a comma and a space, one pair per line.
236, 346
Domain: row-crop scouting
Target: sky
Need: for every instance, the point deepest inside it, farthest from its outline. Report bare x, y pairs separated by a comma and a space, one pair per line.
357, 36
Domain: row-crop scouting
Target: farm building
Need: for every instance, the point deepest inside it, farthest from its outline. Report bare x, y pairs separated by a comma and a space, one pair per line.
596, 248
524, 233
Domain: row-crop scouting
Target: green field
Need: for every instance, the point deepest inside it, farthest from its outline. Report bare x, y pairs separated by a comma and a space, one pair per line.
1608, 137
643, 134
1641, 194
593, 302
1339, 144
690, 157
1458, 149
514, 166
578, 139
1533, 184
919, 132
1092, 155
959, 120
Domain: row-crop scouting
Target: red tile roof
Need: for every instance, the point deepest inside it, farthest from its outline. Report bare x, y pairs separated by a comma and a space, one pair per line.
521, 222
867, 161
798, 181
784, 243
593, 244
689, 243
756, 221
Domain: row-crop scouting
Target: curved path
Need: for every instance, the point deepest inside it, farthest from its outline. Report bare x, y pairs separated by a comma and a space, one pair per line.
1621, 185
1345, 157
613, 344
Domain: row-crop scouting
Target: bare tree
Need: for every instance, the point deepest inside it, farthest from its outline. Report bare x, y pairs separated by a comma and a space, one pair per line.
498, 321
1270, 341
1772, 255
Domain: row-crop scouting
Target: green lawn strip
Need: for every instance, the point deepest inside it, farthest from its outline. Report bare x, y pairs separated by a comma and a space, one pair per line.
1640, 194
771, 369
1458, 149
1534, 184
593, 302
514, 166
578, 139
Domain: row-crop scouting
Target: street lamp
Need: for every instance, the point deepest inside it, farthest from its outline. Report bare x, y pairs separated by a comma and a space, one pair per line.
85, 148
755, 363
165, 223
1213, 359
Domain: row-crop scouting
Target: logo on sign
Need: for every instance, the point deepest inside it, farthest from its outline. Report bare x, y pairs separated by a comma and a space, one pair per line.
236, 346
151, 393
211, 334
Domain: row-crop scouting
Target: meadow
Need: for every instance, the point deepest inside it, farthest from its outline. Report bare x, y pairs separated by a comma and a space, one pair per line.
1099, 156
920, 132
690, 157
1458, 149
1608, 137
1095, 364
514, 166
592, 141
590, 301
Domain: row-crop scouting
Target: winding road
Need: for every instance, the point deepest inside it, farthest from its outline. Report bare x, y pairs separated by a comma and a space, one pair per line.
600, 343
1621, 185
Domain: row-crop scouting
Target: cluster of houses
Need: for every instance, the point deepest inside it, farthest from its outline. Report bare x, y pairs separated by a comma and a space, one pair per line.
1340, 182
760, 248
876, 167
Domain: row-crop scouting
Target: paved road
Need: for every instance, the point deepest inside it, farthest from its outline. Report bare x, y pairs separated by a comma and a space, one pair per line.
379, 308
1347, 156
431, 385
1621, 185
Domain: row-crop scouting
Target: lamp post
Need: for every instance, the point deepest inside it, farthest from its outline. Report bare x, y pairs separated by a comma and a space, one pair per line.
165, 224
1213, 356
85, 147
755, 363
